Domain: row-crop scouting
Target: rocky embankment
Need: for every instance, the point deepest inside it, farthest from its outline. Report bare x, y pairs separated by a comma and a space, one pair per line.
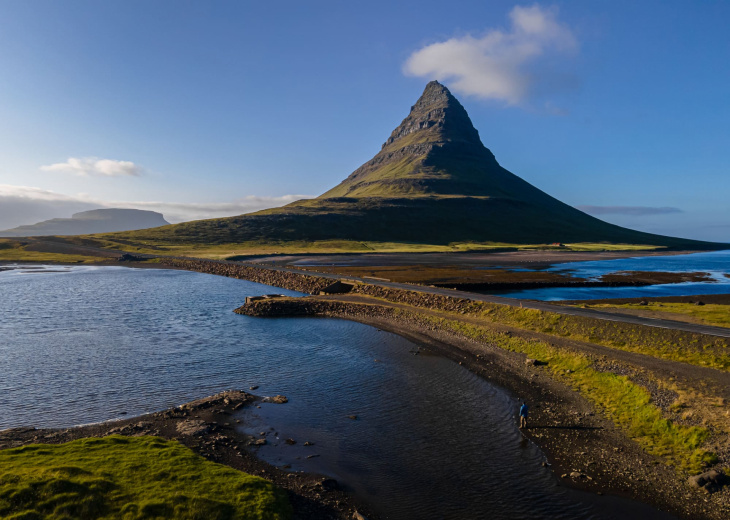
209, 427
312, 284
285, 280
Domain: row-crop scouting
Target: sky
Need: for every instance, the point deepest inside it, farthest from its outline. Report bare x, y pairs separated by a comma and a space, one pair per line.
217, 108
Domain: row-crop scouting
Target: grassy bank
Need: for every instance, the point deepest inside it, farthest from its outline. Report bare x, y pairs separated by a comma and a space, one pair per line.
15, 251
627, 404
675, 345
709, 314
129, 478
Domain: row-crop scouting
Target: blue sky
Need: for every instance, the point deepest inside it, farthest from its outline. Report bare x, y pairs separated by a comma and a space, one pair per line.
215, 108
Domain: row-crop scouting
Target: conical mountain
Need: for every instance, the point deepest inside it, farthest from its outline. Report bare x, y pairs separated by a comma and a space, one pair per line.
432, 182
435, 151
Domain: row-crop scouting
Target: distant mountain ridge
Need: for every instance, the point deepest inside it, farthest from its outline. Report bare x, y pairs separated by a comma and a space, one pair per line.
92, 221
432, 182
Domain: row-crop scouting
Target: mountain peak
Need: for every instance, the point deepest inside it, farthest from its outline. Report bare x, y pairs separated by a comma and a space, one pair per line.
434, 151
438, 116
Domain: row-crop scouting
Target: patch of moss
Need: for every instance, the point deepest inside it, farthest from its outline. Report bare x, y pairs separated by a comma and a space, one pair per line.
132, 479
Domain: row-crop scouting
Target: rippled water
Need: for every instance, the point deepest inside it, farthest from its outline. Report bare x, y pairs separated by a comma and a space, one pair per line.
431, 441
717, 263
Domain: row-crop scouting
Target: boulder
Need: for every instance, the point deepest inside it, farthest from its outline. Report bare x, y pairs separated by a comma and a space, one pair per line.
192, 427
710, 481
278, 399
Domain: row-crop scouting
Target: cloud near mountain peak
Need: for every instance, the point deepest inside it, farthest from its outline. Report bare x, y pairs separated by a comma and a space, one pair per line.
499, 65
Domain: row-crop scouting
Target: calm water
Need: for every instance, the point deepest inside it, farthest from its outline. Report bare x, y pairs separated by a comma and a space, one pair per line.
432, 441
716, 263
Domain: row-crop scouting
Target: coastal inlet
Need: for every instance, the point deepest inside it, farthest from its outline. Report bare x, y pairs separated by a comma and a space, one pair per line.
431, 439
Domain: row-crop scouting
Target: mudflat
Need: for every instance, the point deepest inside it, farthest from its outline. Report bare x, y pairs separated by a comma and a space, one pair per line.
533, 259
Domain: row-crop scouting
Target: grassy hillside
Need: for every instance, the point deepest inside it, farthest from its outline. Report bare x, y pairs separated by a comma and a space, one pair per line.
432, 221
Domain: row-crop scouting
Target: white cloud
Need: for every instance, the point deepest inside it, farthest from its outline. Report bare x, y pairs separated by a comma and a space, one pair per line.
20, 205
96, 167
498, 65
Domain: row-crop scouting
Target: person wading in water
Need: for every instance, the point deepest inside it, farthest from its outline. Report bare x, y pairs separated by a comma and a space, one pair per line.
523, 415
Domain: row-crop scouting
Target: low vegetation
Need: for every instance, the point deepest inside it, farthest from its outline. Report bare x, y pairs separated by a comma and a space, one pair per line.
675, 345
129, 478
627, 404
155, 243
16, 251
709, 314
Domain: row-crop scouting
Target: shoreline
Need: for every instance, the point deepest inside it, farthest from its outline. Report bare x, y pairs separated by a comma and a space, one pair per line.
585, 450
206, 427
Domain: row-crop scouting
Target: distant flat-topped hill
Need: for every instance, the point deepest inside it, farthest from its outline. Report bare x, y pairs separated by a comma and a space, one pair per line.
433, 182
93, 221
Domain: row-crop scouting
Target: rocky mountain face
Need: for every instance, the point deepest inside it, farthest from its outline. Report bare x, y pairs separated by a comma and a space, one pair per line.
435, 151
93, 221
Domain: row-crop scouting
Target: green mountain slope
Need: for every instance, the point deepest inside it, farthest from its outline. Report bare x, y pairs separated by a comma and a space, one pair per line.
433, 182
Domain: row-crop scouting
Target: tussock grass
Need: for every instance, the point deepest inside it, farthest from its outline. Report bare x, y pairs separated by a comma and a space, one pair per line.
132, 479
627, 404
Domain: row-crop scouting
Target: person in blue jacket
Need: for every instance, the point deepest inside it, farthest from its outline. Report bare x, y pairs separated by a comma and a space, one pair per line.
523, 415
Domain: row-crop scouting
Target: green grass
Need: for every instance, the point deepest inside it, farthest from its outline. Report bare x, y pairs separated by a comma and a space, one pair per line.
674, 345
14, 251
131, 479
627, 404
709, 314
20, 255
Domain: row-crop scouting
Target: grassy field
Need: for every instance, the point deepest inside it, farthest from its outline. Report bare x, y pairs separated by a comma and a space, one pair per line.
627, 404
129, 478
13, 250
709, 314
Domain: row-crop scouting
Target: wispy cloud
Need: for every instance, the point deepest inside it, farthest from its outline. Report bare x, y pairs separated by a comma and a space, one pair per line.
500, 64
93, 166
637, 211
20, 205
